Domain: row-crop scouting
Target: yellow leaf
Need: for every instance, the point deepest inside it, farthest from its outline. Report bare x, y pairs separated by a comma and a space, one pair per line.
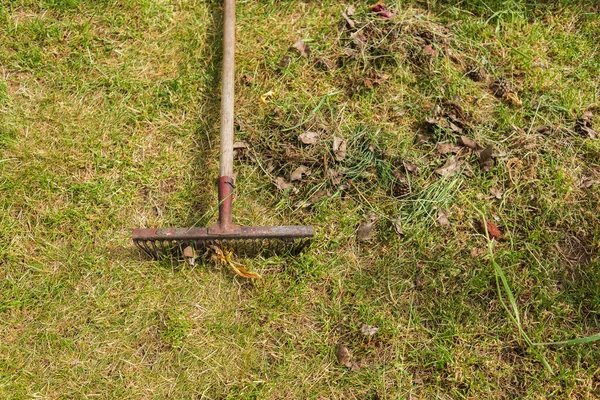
224, 256
266, 96
514, 99
243, 272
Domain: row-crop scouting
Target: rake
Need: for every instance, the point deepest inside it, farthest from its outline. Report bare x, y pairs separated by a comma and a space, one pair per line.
160, 242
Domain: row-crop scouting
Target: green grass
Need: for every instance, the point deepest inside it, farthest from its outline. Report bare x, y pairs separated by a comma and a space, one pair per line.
109, 121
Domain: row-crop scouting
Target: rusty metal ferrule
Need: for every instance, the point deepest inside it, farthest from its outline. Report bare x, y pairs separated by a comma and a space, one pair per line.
226, 187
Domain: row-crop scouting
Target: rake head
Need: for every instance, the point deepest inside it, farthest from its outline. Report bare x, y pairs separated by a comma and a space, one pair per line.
249, 241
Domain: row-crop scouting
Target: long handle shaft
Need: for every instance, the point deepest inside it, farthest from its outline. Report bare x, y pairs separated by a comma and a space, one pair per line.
227, 106
227, 90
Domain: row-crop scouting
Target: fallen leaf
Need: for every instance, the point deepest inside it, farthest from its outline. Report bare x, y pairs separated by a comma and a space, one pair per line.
335, 175
584, 126
302, 48
350, 10
339, 148
410, 166
320, 194
450, 168
429, 50
189, 254
496, 193
359, 40
240, 145
422, 139
366, 230
543, 129
513, 98
351, 24
343, 355
445, 148
443, 218
325, 64
492, 229
225, 257
587, 183
368, 330
381, 10
282, 184
471, 144
398, 225
299, 172
243, 272
309, 137
285, 62
266, 96
485, 159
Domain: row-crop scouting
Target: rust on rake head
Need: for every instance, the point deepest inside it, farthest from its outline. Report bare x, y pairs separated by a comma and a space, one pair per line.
159, 242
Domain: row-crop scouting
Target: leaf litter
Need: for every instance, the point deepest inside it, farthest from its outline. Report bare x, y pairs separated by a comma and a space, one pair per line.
443, 218
450, 168
368, 330
366, 230
339, 148
309, 137
584, 126
344, 357
299, 172
302, 48
225, 257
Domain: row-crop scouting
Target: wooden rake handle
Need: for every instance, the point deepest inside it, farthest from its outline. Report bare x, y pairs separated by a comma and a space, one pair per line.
227, 91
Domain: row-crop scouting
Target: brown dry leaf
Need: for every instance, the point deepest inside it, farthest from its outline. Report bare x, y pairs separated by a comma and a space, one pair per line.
445, 148
285, 62
471, 144
587, 183
443, 218
339, 148
239, 148
345, 358
429, 50
299, 172
366, 230
240, 145
496, 193
368, 330
485, 159
343, 355
492, 229
410, 166
347, 14
325, 64
302, 48
189, 254
282, 184
583, 125
335, 175
359, 40
450, 168
309, 137
398, 225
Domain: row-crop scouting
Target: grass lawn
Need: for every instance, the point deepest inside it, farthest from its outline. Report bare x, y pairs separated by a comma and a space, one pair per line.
455, 116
